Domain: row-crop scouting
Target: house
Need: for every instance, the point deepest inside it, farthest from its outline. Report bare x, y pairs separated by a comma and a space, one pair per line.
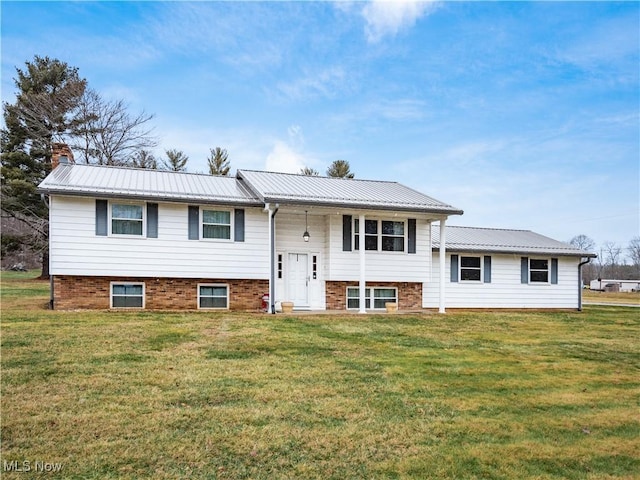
489, 268
603, 284
135, 238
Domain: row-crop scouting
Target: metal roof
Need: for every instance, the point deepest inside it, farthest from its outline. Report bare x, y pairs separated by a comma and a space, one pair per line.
327, 191
121, 182
495, 240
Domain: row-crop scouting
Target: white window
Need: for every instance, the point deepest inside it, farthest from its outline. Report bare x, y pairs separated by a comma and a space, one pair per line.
127, 295
538, 270
381, 295
382, 235
470, 269
213, 296
127, 219
216, 224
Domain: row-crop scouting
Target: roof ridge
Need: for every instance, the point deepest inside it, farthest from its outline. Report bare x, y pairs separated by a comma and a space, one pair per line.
494, 228
158, 170
319, 176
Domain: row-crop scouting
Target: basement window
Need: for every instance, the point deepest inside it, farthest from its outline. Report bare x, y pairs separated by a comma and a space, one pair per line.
127, 295
213, 296
381, 295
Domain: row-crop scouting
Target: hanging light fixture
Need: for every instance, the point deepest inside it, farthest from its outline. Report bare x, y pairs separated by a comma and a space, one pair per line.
305, 235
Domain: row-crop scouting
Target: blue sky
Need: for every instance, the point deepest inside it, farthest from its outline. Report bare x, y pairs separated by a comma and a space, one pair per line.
524, 115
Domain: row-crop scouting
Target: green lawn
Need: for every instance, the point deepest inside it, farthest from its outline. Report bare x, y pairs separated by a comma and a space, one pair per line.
231, 396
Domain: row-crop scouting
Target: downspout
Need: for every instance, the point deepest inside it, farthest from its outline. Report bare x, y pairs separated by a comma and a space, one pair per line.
272, 255
45, 200
580, 282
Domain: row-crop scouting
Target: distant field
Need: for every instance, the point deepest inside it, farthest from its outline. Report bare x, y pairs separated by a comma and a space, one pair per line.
611, 297
111, 395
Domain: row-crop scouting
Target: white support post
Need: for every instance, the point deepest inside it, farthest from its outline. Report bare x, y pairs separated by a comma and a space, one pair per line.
442, 257
363, 282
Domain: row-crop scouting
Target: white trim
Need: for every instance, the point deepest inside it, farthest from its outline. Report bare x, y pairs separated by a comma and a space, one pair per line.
114, 283
225, 285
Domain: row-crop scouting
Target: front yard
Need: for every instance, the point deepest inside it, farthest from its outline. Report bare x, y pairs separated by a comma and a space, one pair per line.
107, 395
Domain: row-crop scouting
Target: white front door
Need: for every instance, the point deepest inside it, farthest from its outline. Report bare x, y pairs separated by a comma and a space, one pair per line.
298, 273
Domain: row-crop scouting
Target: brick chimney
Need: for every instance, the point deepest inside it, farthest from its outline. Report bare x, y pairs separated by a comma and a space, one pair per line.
61, 154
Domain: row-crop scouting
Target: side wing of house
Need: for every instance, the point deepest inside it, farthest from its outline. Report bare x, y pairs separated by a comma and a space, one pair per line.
494, 280
161, 254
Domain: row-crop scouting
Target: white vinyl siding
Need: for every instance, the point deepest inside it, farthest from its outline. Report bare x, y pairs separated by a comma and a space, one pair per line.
505, 289
76, 250
381, 266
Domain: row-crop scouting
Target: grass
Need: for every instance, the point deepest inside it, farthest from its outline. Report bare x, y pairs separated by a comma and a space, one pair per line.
224, 395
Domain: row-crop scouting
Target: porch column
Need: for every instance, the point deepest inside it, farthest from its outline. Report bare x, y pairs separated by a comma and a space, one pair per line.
363, 282
442, 257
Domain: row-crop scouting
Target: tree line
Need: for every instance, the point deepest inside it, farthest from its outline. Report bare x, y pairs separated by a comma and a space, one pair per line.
55, 105
613, 262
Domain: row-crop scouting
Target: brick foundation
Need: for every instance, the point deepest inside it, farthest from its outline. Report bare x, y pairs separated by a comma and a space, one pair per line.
409, 294
81, 292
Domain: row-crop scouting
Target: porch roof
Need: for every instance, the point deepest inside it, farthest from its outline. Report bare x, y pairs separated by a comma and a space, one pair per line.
285, 188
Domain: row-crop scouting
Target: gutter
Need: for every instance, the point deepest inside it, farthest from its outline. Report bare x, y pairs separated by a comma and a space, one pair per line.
588, 260
45, 200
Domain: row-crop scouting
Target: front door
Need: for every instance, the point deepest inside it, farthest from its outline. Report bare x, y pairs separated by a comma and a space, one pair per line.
298, 273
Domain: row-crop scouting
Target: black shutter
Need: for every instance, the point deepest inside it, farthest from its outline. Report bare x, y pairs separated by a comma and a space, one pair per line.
152, 220
411, 241
554, 271
102, 217
454, 268
487, 269
524, 270
194, 223
238, 225
347, 223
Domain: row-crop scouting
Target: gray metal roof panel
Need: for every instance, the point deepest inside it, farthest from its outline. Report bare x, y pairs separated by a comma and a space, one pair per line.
100, 180
328, 191
495, 240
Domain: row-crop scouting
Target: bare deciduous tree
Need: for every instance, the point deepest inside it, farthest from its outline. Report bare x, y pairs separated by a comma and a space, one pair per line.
108, 133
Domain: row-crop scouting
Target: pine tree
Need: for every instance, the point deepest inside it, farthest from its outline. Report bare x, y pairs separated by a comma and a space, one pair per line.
340, 169
176, 160
219, 162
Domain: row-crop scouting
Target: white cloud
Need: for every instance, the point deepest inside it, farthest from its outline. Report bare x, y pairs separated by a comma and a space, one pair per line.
389, 17
284, 159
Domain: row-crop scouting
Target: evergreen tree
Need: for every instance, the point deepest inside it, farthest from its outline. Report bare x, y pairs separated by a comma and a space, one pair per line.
45, 111
340, 169
219, 162
144, 159
176, 160
311, 172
